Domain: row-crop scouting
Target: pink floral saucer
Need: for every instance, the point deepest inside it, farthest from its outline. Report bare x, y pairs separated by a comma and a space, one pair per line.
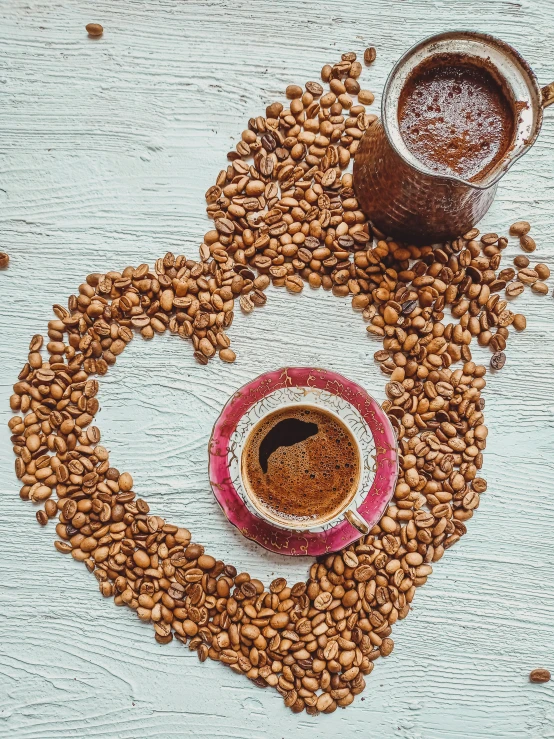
329, 390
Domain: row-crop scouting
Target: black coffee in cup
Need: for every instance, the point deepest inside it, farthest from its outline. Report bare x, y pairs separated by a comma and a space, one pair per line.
300, 466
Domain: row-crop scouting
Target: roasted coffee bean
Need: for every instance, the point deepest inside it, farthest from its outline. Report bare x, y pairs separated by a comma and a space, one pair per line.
540, 287
520, 228
498, 360
293, 92
540, 675
94, 29
42, 517
370, 55
514, 289
314, 88
227, 355
527, 243
366, 97
521, 261
248, 589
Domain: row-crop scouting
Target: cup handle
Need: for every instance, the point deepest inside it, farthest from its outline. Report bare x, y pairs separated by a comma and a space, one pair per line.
356, 521
547, 95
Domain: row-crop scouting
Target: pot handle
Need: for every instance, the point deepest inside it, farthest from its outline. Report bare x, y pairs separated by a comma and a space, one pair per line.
547, 95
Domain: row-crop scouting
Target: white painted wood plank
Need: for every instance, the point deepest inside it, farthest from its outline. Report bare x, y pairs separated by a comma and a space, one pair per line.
107, 148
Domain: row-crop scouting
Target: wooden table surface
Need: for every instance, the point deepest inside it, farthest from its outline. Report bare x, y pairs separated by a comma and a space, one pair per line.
107, 148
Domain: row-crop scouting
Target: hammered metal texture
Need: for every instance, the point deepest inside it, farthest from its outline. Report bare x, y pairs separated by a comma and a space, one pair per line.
408, 204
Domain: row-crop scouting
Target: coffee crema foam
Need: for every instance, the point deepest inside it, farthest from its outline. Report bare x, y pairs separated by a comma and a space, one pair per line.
301, 465
455, 118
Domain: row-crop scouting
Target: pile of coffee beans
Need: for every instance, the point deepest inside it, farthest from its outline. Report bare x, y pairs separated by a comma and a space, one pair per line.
287, 218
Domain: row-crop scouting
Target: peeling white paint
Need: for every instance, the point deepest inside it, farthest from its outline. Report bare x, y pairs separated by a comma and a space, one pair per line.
106, 151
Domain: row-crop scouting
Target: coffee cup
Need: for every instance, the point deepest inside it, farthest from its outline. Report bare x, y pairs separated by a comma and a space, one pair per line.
301, 466
314, 524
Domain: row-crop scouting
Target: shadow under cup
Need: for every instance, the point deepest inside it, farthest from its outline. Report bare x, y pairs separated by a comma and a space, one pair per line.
307, 483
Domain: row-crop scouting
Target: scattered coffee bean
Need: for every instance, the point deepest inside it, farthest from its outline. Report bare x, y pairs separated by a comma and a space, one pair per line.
366, 97
540, 287
514, 289
498, 360
94, 29
527, 243
369, 55
520, 228
542, 271
227, 355
51, 508
521, 261
314, 88
42, 517
4, 260
528, 276
293, 92
540, 675
326, 72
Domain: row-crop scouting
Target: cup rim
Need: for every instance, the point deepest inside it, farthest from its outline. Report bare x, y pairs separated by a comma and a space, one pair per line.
308, 524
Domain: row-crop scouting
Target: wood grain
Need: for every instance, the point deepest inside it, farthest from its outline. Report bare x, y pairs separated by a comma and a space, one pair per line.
107, 148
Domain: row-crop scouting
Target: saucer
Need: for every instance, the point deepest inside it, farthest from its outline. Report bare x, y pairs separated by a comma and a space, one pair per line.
329, 391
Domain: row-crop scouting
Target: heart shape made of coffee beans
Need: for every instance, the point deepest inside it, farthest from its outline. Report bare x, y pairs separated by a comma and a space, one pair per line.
290, 217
